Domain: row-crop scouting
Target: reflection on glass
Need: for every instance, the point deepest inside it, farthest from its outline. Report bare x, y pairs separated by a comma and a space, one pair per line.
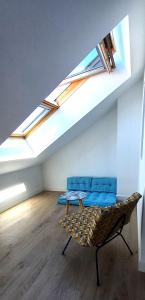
32, 119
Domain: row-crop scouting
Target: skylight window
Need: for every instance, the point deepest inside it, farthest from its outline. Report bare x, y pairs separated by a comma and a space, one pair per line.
57, 92
97, 60
90, 62
39, 131
32, 120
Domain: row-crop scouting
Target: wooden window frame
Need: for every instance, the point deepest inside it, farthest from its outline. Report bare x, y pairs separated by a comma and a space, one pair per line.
106, 49
46, 104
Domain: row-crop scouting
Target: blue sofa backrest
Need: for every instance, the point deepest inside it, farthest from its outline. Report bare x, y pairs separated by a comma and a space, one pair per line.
92, 184
79, 183
104, 184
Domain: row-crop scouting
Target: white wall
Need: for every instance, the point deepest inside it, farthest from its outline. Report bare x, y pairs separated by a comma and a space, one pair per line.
128, 139
141, 206
32, 179
111, 147
42, 41
129, 125
92, 153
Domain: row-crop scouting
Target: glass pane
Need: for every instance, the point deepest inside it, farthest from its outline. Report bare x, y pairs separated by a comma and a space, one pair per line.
34, 117
57, 92
90, 62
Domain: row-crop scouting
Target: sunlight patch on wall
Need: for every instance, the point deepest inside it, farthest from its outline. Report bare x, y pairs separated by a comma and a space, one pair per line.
12, 191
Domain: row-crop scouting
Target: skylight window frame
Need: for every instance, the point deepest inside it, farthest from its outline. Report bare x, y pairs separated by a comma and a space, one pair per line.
74, 81
89, 72
34, 120
71, 89
52, 108
105, 56
49, 100
85, 75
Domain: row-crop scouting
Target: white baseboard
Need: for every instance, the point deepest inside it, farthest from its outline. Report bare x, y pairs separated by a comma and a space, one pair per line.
55, 190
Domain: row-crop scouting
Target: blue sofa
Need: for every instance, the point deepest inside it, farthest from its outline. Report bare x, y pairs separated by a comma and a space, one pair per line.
101, 191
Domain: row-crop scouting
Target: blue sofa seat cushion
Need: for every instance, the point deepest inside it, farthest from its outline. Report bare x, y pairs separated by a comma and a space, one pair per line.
77, 183
93, 199
100, 199
104, 185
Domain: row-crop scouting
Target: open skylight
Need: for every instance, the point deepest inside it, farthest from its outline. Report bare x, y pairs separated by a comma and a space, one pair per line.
90, 62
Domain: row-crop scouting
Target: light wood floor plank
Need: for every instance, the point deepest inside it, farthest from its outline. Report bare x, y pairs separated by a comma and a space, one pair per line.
32, 267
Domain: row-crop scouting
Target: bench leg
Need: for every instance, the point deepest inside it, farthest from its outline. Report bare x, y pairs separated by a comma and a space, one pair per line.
81, 203
67, 207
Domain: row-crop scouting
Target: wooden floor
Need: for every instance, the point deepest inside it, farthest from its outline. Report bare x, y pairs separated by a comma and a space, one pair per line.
32, 267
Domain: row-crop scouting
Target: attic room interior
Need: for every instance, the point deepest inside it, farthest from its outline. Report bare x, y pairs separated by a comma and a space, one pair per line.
72, 150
